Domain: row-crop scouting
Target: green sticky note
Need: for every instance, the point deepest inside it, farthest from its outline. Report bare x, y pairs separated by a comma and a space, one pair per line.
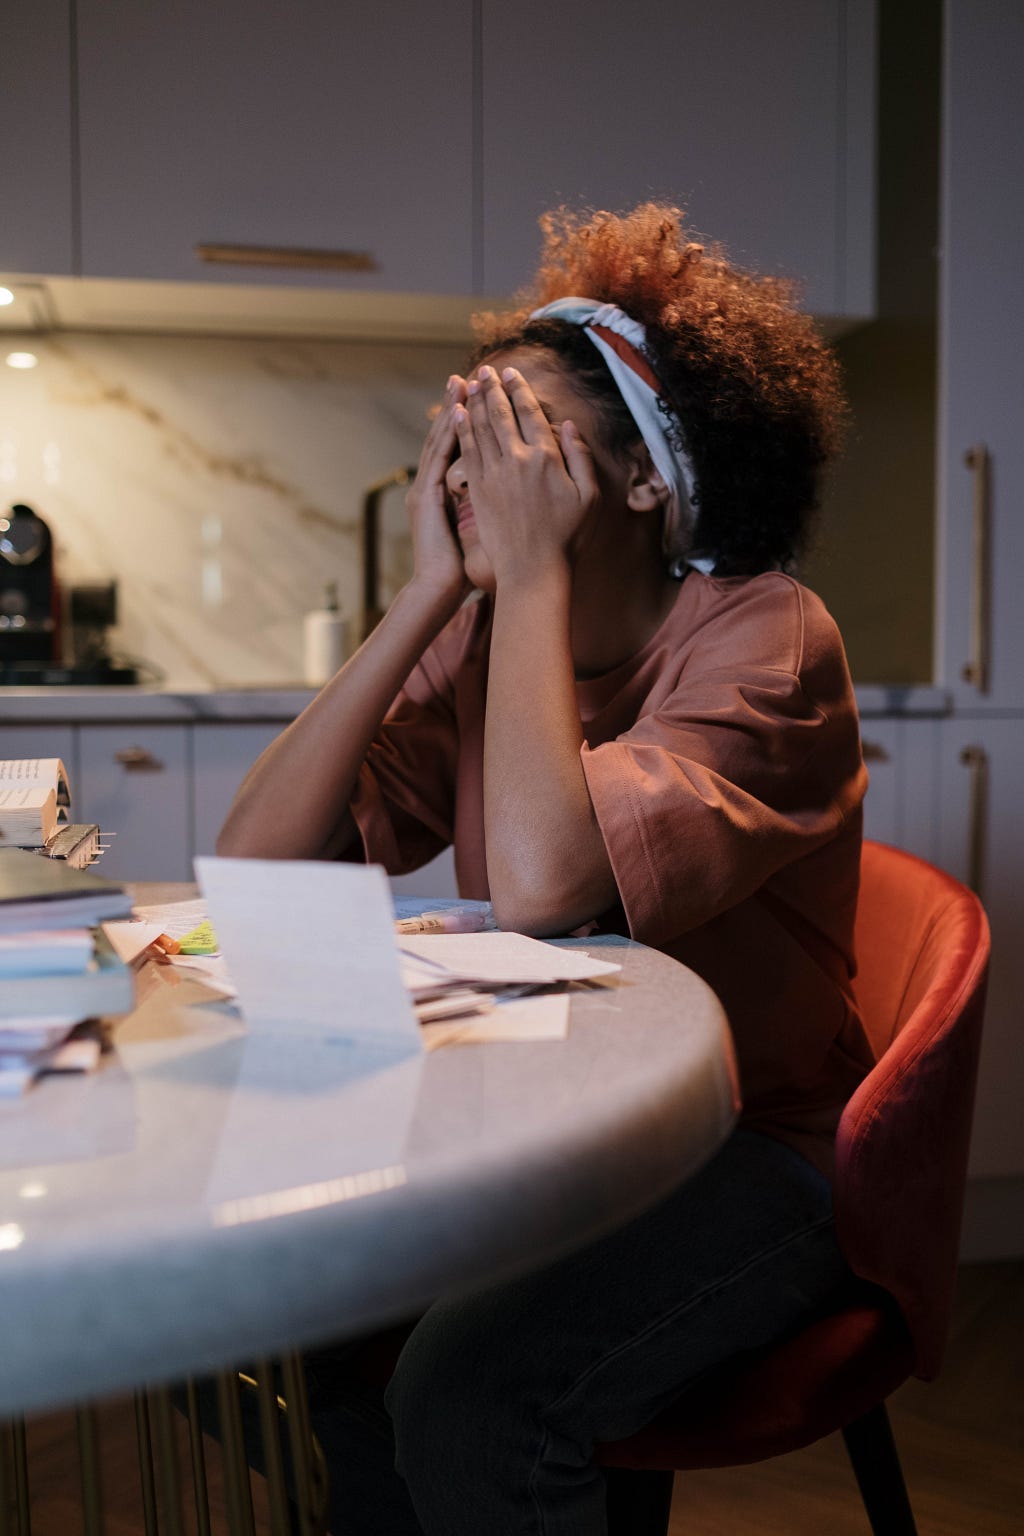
200, 940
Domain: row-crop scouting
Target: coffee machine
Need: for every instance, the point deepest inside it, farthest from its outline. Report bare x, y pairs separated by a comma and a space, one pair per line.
38, 623
29, 608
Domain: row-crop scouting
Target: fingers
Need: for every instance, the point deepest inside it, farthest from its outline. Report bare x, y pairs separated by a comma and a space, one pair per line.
493, 420
440, 437
533, 424
579, 461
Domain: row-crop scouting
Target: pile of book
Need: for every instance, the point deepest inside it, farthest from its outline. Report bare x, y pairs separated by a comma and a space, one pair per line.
35, 801
57, 970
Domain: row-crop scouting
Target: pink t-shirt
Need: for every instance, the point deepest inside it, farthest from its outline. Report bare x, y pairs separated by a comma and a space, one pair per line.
724, 764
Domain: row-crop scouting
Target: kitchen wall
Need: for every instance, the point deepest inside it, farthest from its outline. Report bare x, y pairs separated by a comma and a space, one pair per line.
219, 480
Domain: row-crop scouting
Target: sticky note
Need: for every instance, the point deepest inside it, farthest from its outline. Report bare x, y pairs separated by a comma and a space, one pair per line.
200, 940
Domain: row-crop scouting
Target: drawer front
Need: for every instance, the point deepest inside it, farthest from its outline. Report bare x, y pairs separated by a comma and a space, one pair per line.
133, 781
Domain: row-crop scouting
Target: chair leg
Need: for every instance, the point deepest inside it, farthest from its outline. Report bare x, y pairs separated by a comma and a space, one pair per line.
876, 1465
638, 1502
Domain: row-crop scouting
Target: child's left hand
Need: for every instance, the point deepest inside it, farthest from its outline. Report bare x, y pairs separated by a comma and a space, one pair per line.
532, 492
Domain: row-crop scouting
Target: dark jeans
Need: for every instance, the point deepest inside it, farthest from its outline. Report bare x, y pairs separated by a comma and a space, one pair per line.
490, 1420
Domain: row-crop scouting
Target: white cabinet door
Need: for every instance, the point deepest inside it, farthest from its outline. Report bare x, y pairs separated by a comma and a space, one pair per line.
981, 368
45, 741
133, 781
881, 742
35, 137
758, 118
221, 757
328, 125
902, 756
980, 839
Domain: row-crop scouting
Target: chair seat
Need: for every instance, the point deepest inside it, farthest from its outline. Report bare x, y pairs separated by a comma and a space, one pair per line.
825, 1377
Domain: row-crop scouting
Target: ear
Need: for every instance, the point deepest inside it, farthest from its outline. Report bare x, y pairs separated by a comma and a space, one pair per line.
646, 490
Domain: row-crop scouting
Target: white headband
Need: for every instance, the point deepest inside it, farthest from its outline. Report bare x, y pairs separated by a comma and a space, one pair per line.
621, 342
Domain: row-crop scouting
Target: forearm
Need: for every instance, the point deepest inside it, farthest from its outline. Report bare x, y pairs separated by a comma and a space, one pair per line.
294, 801
547, 865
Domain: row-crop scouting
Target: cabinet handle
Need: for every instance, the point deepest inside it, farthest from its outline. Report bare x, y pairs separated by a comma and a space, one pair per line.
138, 760
285, 256
976, 760
975, 670
873, 752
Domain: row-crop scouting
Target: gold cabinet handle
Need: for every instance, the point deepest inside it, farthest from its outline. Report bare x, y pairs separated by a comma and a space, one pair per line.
218, 253
975, 670
138, 760
976, 760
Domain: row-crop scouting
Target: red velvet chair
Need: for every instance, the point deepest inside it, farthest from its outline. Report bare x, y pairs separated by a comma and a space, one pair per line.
922, 946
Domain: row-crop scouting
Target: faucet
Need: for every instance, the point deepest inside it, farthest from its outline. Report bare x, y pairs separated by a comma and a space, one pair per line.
372, 610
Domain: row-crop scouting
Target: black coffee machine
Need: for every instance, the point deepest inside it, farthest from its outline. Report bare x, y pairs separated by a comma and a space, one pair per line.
29, 608
33, 637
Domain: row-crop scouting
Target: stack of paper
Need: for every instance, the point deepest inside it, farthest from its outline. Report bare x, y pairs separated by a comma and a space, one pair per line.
56, 967
311, 947
493, 985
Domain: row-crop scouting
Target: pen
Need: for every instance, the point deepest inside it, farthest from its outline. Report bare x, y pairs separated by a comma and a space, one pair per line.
442, 922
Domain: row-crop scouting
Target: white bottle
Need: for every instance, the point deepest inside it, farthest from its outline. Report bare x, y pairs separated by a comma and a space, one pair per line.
323, 635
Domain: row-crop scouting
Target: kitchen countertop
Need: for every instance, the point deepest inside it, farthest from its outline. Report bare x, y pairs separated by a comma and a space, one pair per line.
57, 705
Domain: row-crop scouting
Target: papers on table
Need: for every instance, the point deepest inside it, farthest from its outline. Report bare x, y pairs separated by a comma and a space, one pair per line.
469, 988
311, 948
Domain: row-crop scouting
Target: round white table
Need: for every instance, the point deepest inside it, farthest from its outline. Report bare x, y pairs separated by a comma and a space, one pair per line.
208, 1196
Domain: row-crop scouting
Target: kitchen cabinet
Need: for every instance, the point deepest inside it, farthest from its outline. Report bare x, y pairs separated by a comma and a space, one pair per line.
982, 378
758, 119
222, 755
901, 753
322, 126
979, 755
948, 789
431, 140
35, 130
44, 741
134, 781
979, 837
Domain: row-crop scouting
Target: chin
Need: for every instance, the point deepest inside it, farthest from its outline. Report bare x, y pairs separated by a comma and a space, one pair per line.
478, 569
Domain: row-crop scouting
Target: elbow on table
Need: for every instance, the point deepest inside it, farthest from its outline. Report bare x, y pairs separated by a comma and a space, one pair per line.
538, 914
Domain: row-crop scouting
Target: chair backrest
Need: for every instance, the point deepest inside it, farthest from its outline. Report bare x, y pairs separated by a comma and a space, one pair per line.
922, 944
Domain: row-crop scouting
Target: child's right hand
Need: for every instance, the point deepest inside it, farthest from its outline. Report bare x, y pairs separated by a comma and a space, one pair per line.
437, 557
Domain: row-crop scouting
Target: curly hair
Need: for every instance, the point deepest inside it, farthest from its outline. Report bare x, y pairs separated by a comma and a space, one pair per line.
751, 387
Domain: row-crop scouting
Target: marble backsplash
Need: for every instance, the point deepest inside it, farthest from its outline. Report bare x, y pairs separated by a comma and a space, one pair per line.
218, 480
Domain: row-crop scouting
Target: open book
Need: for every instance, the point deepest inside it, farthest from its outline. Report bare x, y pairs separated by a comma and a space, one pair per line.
34, 797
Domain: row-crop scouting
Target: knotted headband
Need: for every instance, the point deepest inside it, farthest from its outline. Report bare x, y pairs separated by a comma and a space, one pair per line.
621, 342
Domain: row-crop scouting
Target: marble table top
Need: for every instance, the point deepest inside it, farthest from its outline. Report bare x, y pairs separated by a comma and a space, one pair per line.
208, 1196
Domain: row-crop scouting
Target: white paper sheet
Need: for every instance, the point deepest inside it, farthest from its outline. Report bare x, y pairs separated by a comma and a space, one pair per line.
544, 1016
498, 957
311, 948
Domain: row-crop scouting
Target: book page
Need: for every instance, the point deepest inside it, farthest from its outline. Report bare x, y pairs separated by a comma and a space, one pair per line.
35, 772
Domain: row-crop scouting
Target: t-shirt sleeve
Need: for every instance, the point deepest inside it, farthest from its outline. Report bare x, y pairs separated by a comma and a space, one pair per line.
741, 769
403, 804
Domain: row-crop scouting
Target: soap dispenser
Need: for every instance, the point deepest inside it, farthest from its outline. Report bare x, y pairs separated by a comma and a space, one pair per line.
324, 632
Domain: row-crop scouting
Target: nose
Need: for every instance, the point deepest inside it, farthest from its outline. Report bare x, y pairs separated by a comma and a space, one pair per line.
455, 476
